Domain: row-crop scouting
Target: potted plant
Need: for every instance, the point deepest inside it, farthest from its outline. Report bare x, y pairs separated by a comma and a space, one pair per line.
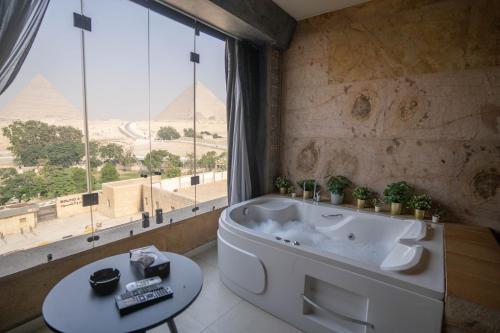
291, 191
307, 186
336, 185
282, 183
438, 212
378, 204
398, 194
421, 203
361, 193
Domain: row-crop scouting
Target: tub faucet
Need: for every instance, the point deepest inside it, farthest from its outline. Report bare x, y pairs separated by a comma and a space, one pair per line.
316, 196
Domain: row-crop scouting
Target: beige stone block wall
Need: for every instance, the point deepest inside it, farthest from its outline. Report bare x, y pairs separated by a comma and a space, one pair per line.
13, 224
399, 90
164, 199
71, 205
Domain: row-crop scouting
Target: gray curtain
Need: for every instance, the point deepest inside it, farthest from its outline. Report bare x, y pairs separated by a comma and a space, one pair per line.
19, 23
246, 120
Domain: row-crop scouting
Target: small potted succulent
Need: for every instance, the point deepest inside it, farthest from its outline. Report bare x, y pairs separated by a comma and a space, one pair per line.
336, 185
436, 215
291, 191
398, 194
378, 204
307, 186
361, 193
421, 203
282, 183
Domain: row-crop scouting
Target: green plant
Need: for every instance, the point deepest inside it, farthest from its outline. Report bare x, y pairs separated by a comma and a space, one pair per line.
398, 192
438, 211
307, 184
421, 202
291, 189
282, 182
337, 184
361, 193
377, 202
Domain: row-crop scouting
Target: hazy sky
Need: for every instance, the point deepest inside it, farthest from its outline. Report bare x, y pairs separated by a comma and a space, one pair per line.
117, 59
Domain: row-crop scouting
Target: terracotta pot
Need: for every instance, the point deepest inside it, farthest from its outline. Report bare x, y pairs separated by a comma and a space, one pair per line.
336, 198
306, 194
419, 214
282, 190
360, 203
396, 208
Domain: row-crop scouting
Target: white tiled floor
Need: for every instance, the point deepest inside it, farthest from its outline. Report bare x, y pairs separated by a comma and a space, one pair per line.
218, 310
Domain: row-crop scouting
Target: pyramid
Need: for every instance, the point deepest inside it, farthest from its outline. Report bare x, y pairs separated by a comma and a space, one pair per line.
208, 106
39, 100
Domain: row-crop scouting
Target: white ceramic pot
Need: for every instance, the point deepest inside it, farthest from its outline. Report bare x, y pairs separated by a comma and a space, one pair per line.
378, 209
336, 199
435, 219
294, 195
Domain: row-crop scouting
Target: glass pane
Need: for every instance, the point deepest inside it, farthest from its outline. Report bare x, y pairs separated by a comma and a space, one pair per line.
211, 124
42, 169
118, 111
172, 115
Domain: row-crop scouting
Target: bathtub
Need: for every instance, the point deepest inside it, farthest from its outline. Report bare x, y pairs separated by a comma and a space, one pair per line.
325, 268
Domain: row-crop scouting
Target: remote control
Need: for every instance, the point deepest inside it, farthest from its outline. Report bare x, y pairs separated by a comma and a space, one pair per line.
143, 283
140, 298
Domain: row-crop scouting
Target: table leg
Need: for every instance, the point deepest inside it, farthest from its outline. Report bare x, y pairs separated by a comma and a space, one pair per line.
171, 326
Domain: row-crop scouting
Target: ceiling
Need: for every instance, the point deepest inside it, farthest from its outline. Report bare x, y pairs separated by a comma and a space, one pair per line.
302, 9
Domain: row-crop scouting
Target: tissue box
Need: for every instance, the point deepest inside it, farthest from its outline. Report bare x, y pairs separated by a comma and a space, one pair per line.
149, 262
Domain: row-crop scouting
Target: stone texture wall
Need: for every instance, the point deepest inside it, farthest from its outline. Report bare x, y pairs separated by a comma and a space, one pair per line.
399, 90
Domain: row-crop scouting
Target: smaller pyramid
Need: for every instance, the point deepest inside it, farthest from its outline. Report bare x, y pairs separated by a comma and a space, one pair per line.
39, 100
208, 106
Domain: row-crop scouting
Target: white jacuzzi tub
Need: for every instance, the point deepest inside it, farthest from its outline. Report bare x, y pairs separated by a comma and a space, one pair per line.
324, 268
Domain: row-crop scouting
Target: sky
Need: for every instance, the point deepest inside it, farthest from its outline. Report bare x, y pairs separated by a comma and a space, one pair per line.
117, 59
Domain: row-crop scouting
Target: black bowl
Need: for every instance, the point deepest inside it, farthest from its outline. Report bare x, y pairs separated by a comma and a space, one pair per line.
104, 281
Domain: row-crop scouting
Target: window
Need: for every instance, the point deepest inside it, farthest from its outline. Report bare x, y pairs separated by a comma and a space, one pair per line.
152, 126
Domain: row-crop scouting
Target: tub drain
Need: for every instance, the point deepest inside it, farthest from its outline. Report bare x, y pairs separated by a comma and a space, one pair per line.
351, 236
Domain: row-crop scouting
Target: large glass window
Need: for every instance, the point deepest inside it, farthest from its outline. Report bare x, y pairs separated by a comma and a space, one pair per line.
42, 150
211, 123
124, 111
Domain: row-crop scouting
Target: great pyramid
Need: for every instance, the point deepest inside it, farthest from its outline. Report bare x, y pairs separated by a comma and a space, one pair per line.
208, 106
39, 100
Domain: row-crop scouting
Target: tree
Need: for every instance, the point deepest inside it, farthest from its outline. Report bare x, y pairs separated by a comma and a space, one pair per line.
79, 176
216, 136
29, 141
188, 132
7, 172
95, 161
111, 153
167, 133
23, 187
58, 182
189, 163
109, 173
163, 161
64, 154
222, 161
208, 160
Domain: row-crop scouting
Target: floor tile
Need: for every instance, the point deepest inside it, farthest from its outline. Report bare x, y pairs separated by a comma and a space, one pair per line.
247, 318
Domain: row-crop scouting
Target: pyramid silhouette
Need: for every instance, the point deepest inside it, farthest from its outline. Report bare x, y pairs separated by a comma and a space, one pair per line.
208, 106
39, 100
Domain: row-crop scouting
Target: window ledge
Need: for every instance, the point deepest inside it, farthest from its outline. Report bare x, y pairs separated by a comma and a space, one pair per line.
14, 262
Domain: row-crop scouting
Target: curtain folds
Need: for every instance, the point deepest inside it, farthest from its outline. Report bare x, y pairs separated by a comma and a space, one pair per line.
19, 24
245, 120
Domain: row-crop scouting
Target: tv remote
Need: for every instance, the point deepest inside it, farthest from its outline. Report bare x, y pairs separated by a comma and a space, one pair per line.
140, 298
142, 283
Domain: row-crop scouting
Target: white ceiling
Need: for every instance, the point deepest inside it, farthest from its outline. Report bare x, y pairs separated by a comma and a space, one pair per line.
302, 9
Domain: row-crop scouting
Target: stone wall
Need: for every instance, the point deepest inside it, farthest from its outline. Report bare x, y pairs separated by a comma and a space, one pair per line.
399, 90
